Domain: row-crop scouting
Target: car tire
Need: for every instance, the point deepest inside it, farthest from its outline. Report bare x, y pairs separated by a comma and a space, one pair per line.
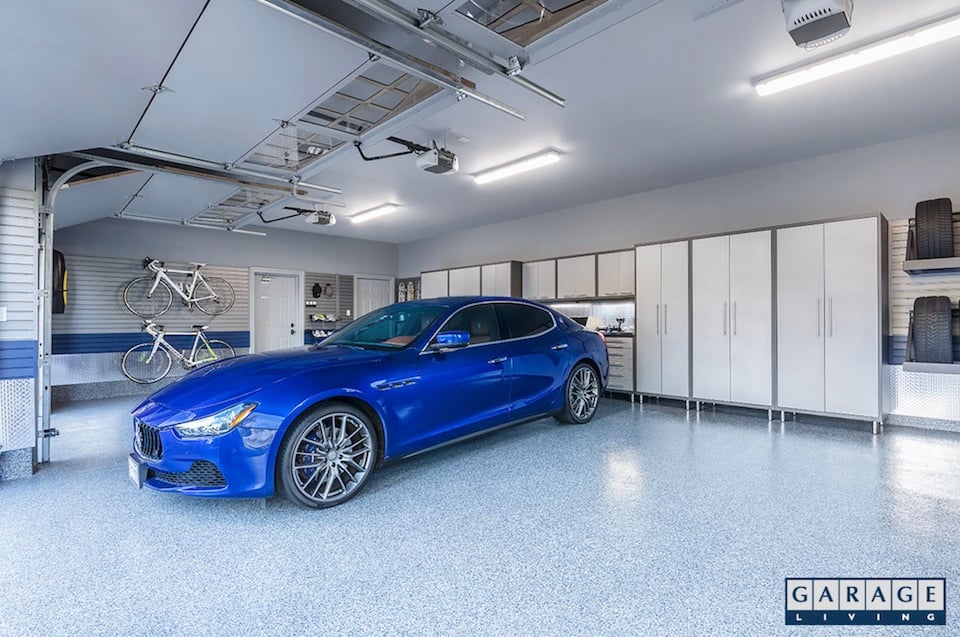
581, 395
934, 227
327, 456
932, 333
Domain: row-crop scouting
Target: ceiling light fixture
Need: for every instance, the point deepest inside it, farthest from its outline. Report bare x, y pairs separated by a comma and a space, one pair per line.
373, 213
892, 46
519, 166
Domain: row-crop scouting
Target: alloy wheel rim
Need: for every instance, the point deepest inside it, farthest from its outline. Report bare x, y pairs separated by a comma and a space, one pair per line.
332, 457
584, 393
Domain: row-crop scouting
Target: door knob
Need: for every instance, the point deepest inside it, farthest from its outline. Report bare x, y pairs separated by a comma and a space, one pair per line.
293, 331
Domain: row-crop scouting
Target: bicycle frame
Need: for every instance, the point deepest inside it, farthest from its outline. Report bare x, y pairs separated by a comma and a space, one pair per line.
195, 280
199, 340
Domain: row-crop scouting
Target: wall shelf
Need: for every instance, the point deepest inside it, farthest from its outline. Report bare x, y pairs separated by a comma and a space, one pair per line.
932, 266
932, 368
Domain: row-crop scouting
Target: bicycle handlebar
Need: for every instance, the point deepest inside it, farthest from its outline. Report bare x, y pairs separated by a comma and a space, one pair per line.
147, 261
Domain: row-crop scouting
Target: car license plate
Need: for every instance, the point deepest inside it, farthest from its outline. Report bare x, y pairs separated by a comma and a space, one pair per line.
136, 470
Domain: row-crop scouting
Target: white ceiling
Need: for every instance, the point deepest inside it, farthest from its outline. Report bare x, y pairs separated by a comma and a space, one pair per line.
655, 100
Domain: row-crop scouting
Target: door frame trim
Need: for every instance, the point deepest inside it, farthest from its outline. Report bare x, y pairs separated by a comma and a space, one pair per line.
378, 277
299, 275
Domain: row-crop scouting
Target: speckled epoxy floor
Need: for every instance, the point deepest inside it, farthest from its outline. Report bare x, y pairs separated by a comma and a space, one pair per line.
647, 521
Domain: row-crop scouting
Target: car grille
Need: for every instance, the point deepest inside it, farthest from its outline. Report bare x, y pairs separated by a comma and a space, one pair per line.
201, 474
147, 441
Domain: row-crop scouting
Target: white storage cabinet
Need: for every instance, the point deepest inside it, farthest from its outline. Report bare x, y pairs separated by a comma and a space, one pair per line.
663, 326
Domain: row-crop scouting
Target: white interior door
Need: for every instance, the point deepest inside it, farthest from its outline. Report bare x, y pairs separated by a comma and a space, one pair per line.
278, 317
674, 297
372, 293
751, 320
800, 309
711, 318
851, 273
648, 320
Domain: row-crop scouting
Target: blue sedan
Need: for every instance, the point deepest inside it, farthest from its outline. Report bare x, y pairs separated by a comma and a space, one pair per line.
317, 421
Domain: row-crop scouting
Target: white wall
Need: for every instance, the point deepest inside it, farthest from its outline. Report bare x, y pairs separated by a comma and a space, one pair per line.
887, 178
279, 249
17, 175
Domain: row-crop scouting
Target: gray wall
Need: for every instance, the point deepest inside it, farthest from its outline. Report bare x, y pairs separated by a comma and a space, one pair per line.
285, 249
887, 178
18, 333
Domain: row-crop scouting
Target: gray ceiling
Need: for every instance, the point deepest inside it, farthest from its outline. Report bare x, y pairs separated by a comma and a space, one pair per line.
654, 98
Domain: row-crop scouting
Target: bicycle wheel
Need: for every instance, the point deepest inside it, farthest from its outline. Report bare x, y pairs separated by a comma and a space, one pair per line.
137, 299
140, 367
214, 296
218, 350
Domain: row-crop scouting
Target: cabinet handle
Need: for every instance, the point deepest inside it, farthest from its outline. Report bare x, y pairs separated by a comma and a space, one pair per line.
734, 318
664, 319
818, 317
658, 319
830, 317
724, 318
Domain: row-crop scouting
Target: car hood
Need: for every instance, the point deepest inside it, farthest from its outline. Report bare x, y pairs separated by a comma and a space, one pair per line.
222, 384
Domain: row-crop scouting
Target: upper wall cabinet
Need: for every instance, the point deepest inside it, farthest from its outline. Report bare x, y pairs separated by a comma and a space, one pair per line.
501, 279
577, 277
540, 279
615, 273
433, 284
464, 281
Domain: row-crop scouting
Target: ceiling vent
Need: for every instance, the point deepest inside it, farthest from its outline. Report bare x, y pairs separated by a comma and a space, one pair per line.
814, 23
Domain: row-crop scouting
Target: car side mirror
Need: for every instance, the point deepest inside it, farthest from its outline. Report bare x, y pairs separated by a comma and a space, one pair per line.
451, 340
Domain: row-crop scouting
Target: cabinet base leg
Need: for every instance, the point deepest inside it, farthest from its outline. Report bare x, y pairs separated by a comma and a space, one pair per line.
631, 398
876, 427
770, 415
783, 416
697, 403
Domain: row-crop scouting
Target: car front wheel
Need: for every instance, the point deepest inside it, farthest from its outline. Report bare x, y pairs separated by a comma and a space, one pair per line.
581, 395
328, 456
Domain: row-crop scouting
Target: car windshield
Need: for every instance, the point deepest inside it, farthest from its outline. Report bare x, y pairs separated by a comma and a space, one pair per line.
392, 327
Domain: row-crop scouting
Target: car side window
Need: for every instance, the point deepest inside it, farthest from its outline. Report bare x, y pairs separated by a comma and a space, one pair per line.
479, 320
524, 320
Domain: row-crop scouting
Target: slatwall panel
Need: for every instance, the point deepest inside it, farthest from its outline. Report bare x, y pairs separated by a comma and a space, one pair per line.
346, 288
95, 305
905, 288
18, 334
341, 286
90, 336
18, 265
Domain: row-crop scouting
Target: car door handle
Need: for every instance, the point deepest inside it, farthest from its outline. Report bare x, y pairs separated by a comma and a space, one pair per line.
560, 346
497, 360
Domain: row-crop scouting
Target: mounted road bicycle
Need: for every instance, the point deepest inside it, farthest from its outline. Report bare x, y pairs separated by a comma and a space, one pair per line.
149, 362
151, 296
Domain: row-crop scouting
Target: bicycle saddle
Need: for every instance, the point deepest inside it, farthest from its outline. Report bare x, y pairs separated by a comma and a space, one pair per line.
201, 327
199, 265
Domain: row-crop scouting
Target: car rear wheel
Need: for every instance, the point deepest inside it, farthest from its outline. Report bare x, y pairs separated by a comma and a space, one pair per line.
581, 395
328, 456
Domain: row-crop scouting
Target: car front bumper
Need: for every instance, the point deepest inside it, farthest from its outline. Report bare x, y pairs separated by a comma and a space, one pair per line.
236, 464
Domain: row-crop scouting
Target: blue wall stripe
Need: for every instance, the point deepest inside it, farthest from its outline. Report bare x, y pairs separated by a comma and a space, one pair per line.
122, 341
18, 359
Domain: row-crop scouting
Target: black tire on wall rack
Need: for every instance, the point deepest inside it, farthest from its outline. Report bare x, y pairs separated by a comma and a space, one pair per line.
934, 229
932, 333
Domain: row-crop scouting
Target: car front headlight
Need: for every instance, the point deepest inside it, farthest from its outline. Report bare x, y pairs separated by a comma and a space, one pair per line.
217, 424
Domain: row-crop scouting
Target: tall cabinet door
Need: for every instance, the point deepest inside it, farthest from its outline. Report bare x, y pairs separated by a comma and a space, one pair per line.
751, 318
800, 310
648, 320
711, 318
675, 302
852, 366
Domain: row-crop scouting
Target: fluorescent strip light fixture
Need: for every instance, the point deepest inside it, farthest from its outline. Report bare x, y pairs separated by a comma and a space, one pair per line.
911, 40
516, 167
373, 213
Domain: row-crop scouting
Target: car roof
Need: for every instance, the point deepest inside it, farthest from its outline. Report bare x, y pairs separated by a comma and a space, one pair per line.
459, 301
